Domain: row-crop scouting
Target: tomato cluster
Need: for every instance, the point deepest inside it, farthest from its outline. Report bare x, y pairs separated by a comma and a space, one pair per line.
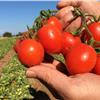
31, 51
82, 56
78, 50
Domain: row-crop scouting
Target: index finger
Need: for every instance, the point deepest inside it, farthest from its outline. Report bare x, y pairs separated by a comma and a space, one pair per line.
53, 77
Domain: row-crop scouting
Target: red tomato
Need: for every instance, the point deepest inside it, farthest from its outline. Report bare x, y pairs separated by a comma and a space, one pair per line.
51, 38
55, 22
86, 37
96, 44
30, 52
16, 46
95, 30
68, 42
81, 59
97, 66
78, 40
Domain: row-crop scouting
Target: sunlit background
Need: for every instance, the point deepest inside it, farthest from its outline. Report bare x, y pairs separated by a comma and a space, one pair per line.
16, 15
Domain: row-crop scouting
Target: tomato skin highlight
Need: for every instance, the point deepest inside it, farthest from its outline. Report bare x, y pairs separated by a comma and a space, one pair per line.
31, 52
55, 22
68, 42
97, 66
95, 30
81, 59
51, 38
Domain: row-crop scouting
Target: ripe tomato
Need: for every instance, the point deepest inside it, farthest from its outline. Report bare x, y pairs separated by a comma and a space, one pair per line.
16, 46
30, 52
81, 59
55, 22
95, 30
51, 38
96, 44
86, 37
68, 42
97, 66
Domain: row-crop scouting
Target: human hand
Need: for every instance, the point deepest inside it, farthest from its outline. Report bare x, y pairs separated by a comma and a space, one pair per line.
67, 6
77, 87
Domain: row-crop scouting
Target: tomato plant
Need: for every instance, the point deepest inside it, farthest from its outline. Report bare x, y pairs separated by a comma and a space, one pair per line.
68, 42
13, 81
51, 38
85, 36
97, 66
81, 59
96, 44
30, 52
95, 30
6, 45
55, 22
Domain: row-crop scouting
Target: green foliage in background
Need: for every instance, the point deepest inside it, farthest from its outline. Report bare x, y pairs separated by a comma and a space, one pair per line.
13, 82
5, 45
7, 34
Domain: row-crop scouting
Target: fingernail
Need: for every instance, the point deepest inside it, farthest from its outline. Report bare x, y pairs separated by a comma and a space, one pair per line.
30, 74
71, 8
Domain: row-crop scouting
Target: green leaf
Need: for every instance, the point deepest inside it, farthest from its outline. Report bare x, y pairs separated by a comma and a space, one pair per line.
59, 57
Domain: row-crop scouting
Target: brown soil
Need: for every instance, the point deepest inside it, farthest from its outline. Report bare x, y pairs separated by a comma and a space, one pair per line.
6, 58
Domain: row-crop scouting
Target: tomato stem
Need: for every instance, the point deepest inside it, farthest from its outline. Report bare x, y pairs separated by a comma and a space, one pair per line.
54, 11
44, 15
98, 18
91, 42
30, 34
94, 17
84, 24
76, 12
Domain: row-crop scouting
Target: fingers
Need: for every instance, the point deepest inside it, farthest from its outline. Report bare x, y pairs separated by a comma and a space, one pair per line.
74, 25
74, 3
69, 24
67, 19
64, 3
65, 15
64, 11
48, 65
56, 65
53, 77
52, 65
55, 62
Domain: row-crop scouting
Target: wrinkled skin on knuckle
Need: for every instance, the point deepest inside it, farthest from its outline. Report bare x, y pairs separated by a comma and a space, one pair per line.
47, 77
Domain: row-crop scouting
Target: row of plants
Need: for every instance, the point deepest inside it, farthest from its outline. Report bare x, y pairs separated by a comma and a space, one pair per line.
13, 82
5, 45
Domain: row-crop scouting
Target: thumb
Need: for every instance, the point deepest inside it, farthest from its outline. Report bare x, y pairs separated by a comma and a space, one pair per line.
60, 82
64, 3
